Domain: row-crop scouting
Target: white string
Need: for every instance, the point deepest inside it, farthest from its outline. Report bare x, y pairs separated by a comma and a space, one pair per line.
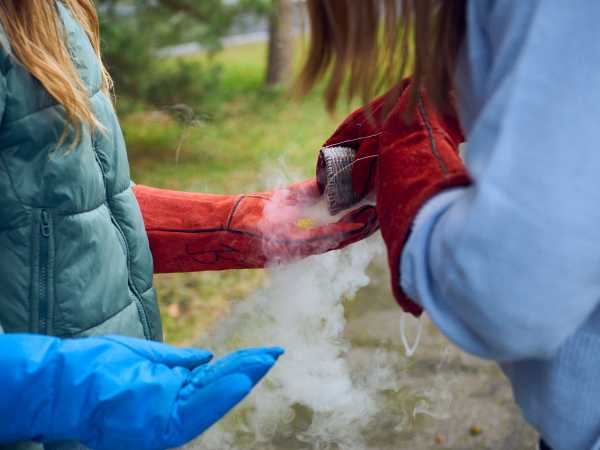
351, 164
410, 349
339, 144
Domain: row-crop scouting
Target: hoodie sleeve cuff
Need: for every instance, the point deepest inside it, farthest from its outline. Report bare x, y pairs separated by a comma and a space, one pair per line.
418, 241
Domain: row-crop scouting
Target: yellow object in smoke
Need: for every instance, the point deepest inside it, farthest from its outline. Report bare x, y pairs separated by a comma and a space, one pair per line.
306, 223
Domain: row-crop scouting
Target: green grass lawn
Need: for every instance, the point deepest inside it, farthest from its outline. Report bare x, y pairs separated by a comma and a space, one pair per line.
256, 134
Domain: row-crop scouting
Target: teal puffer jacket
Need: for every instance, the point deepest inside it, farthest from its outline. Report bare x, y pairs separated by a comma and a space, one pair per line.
74, 255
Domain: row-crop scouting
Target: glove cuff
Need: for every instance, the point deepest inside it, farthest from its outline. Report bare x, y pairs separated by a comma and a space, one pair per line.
397, 231
412, 169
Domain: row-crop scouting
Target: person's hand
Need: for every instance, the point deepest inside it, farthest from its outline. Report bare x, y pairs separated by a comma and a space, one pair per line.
348, 161
116, 392
194, 232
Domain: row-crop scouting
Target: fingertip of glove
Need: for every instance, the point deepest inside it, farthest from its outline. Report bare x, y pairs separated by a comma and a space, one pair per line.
192, 357
204, 356
275, 352
255, 364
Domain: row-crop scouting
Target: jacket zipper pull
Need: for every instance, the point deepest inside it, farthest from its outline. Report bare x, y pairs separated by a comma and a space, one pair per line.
45, 226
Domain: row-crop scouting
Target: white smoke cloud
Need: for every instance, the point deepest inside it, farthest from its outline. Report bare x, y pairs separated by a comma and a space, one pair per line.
300, 308
317, 396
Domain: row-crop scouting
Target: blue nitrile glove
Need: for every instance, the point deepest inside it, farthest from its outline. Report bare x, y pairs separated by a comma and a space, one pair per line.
116, 392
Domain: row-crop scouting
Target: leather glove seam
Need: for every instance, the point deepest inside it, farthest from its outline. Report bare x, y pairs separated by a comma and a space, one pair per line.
233, 211
426, 122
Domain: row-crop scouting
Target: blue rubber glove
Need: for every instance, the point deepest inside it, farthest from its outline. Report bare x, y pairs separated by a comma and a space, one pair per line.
116, 392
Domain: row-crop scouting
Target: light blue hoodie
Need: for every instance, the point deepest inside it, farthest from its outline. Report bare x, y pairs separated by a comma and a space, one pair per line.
509, 268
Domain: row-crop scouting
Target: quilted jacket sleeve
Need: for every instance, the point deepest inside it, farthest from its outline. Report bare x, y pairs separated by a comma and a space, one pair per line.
5, 51
2, 95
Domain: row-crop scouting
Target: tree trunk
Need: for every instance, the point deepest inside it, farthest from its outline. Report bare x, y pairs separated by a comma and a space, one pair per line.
281, 42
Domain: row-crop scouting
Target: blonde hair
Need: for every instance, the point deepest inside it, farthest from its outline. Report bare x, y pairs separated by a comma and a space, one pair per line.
367, 46
38, 40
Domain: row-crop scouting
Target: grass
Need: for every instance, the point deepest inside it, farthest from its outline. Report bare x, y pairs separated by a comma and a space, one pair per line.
234, 151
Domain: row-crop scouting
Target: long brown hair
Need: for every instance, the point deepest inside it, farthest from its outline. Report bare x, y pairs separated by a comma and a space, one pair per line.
365, 46
37, 39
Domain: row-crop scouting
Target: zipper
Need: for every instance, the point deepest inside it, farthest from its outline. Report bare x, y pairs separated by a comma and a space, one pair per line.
45, 231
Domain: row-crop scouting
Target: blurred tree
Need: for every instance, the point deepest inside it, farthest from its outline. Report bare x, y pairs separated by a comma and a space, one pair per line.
133, 31
281, 42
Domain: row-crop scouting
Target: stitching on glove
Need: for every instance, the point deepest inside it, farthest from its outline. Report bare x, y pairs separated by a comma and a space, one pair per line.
218, 255
425, 121
233, 210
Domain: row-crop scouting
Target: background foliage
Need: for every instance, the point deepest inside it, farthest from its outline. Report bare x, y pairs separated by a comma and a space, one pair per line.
135, 31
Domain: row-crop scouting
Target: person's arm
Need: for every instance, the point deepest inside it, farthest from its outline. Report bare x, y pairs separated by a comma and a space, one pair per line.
508, 268
116, 392
196, 232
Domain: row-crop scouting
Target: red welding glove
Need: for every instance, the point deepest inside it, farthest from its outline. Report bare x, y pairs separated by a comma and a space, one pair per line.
347, 164
418, 158
195, 232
